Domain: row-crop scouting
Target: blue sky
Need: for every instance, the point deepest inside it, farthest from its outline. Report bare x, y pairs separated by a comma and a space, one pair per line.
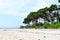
12, 12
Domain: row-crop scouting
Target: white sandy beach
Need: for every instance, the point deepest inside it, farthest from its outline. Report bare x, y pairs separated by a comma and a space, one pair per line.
29, 34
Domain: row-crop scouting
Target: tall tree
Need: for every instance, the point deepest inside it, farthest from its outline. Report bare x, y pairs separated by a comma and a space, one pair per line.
26, 21
33, 16
45, 14
52, 7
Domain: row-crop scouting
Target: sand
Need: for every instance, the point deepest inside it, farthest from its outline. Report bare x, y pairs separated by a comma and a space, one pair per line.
29, 34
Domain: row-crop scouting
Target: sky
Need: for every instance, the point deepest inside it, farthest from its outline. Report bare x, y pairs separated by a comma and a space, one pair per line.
13, 12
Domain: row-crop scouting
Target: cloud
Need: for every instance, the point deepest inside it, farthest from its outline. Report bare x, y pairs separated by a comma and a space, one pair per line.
11, 7
21, 7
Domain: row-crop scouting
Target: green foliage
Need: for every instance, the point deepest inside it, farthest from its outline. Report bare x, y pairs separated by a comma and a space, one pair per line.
42, 10
45, 13
55, 25
52, 7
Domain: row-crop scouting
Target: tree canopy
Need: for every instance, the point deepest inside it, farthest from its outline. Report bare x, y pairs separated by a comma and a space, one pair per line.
58, 0
50, 16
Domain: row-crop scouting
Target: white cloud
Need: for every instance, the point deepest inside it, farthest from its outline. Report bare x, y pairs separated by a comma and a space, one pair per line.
14, 7
11, 7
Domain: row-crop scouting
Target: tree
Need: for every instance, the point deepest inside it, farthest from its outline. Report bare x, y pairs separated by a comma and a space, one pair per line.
33, 16
26, 21
49, 14
42, 13
58, 0
45, 14
53, 7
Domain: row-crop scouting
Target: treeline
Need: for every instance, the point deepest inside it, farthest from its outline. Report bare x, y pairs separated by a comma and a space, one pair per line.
48, 17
